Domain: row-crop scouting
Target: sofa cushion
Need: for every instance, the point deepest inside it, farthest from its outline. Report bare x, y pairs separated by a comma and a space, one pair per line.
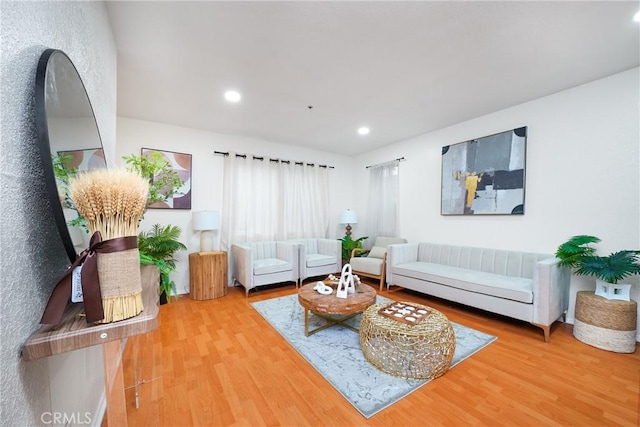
310, 245
505, 263
263, 250
513, 288
377, 252
367, 265
270, 265
318, 260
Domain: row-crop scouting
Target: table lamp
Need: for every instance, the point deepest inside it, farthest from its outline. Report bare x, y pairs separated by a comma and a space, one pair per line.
206, 221
348, 217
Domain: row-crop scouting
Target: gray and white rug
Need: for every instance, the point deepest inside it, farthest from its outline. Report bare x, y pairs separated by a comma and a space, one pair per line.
335, 353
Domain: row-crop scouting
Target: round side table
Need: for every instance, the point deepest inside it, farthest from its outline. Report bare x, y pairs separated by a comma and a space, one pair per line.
604, 323
421, 351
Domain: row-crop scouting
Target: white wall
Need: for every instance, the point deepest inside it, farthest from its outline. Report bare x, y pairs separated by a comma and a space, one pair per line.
32, 255
582, 175
207, 172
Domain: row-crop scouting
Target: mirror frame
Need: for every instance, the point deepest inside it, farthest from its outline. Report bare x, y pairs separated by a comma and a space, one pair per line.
42, 125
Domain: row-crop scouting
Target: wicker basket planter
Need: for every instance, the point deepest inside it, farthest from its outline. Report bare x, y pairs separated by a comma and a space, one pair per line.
606, 324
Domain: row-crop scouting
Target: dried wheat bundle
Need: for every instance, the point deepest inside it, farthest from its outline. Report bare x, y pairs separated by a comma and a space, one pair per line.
113, 201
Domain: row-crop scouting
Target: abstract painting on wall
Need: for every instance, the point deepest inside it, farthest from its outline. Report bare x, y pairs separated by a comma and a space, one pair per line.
180, 163
485, 176
82, 160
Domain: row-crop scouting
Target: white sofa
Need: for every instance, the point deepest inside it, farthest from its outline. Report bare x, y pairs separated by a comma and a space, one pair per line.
318, 257
521, 285
263, 263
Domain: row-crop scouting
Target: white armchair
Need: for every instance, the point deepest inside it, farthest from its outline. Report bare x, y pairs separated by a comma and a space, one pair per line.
263, 263
374, 265
319, 257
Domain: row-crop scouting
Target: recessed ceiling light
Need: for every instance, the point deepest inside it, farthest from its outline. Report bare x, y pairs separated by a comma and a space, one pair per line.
232, 96
637, 17
363, 130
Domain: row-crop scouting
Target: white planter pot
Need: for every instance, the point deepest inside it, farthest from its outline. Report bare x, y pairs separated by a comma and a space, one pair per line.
619, 291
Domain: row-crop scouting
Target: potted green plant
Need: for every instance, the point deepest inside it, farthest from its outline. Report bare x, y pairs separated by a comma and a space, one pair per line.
158, 246
348, 245
608, 270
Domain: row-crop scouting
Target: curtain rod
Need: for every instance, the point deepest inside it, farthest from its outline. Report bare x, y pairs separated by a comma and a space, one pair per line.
244, 156
399, 159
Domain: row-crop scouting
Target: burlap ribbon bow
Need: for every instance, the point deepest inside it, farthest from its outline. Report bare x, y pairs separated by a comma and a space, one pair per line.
89, 277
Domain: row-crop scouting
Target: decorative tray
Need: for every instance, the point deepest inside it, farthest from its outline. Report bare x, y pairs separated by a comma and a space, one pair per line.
333, 280
405, 313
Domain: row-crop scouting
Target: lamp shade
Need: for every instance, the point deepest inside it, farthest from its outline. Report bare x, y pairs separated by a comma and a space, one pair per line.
206, 220
349, 217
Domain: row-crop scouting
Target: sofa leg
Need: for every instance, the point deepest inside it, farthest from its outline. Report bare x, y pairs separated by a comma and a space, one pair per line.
546, 329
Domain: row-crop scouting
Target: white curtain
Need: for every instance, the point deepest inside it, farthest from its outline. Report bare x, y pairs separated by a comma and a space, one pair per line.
384, 192
306, 201
273, 200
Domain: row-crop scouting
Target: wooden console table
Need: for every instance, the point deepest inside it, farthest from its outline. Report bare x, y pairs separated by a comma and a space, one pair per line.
74, 333
208, 275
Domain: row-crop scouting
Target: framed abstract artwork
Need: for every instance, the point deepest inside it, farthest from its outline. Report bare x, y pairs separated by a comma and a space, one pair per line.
485, 176
82, 160
181, 164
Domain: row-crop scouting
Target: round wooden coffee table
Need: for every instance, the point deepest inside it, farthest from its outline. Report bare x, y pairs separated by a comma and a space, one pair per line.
328, 306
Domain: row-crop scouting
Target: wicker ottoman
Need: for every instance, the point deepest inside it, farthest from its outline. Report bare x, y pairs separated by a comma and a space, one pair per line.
606, 324
420, 351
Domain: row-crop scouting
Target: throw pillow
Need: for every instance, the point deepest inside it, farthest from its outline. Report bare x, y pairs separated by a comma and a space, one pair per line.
377, 252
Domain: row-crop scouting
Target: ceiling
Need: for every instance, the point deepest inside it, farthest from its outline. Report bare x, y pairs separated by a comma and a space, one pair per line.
401, 68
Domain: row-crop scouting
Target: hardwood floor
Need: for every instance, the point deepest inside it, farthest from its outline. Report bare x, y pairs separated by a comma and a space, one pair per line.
220, 363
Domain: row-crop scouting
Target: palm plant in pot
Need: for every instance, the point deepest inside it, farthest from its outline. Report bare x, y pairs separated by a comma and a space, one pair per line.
348, 245
608, 270
158, 246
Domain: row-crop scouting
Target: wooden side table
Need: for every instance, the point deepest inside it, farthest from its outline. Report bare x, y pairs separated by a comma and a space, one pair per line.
207, 275
606, 324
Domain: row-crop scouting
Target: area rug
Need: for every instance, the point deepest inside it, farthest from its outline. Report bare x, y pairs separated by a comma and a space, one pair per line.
335, 353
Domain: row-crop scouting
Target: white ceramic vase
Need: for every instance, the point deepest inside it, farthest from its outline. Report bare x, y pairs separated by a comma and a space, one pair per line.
619, 291
345, 285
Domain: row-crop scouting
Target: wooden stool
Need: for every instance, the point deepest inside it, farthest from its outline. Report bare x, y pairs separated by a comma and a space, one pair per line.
207, 275
606, 324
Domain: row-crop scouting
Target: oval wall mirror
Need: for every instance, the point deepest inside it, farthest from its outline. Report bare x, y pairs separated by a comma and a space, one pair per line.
69, 141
